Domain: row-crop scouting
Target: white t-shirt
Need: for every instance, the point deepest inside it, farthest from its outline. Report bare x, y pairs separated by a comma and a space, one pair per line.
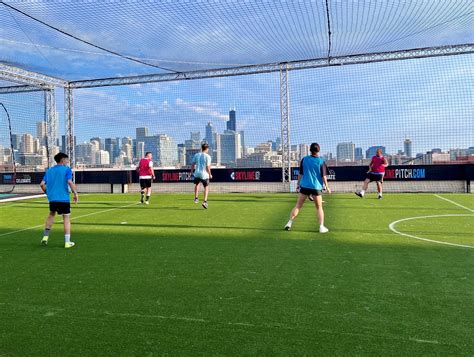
202, 161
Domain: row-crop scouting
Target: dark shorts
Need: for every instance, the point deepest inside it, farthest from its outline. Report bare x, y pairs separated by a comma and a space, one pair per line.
374, 177
145, 183
60, 207
198, 180
310, 191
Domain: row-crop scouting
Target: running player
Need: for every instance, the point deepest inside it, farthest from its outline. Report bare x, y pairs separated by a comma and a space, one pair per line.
201, 168
375, 173
55, 184
311, 180
146, 175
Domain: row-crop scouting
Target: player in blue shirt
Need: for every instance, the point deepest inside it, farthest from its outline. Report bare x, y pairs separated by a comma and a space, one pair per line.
311, 181
201, 169
55, 184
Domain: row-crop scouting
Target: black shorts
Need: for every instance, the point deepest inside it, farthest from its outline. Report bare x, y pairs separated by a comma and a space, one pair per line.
374, 177
310, 191
198, 180
60, 207
145, 183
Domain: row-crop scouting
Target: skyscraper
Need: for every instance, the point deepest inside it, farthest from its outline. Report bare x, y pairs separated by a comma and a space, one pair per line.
16, 141
408, 148
102, 157
345, 152
232, 122
370, 152
141, 133
231, 147
163, 149
27, 144
196, 137
42, 132
303, 150
358, 154
210, 130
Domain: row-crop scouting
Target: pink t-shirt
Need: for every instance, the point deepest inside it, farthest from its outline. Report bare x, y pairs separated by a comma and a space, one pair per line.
145, 169
377, 164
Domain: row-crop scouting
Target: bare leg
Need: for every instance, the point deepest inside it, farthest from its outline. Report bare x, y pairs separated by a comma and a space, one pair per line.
318, 202
148, 193
206, 193
296, 210
196, 191
379, 187
50, 220
365, 185
67, 224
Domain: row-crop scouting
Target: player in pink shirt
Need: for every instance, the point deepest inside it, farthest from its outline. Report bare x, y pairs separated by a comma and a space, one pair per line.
375, 173
146, 175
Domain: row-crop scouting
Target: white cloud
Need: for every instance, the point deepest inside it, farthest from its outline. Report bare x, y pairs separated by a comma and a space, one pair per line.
203, 108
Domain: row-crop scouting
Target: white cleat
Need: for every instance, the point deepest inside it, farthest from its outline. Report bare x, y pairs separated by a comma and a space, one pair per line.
196, 200
288, 227
323, 229
147, 202
69, 245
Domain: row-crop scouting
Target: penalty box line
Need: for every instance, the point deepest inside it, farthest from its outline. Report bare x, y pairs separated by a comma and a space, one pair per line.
72, 219
454, 203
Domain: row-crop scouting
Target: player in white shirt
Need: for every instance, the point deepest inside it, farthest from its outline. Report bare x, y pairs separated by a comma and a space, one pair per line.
201, 168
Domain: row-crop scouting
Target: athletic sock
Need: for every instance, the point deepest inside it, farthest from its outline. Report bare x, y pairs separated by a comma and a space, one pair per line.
290, 221
142, 195
46, 232
147, 197
67, 238
362, 192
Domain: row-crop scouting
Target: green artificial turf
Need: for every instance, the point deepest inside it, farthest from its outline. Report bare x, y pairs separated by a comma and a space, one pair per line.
175, 279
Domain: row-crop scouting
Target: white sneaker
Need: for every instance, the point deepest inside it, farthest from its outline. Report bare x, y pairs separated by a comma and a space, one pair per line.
147, 202
196, 200
323, 229
69, 245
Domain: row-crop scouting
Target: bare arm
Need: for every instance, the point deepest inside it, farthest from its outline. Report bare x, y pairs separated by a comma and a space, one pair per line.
74, 190
299, 180
385, 162
325, 180
193, 166
208, 169
43, 186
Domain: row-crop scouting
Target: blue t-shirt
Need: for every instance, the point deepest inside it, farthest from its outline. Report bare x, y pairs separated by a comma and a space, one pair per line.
312, 170
57, 188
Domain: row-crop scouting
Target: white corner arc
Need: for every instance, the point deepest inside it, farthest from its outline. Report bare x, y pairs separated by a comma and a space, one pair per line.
393, 229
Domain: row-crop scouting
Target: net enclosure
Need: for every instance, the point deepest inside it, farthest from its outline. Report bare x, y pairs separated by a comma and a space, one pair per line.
259, 81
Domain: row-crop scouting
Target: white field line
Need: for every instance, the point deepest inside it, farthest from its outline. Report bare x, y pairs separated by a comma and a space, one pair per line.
22, 198
72, 219
393, 224
454, 203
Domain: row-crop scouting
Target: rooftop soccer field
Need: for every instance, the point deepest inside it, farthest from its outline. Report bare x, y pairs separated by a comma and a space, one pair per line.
174, 279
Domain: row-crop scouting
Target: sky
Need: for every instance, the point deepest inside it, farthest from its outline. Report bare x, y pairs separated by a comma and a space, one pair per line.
427, 100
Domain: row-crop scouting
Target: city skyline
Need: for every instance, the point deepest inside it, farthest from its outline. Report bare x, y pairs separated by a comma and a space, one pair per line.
227, 149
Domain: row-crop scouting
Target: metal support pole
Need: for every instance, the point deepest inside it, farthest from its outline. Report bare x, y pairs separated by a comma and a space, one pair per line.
285, 127
51, 120
69, 120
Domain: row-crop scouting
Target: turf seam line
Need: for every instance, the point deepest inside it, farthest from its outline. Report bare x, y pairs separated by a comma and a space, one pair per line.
72, 219
454, 203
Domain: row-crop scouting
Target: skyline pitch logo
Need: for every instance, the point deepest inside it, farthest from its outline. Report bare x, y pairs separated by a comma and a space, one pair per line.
245, 175
419, 173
